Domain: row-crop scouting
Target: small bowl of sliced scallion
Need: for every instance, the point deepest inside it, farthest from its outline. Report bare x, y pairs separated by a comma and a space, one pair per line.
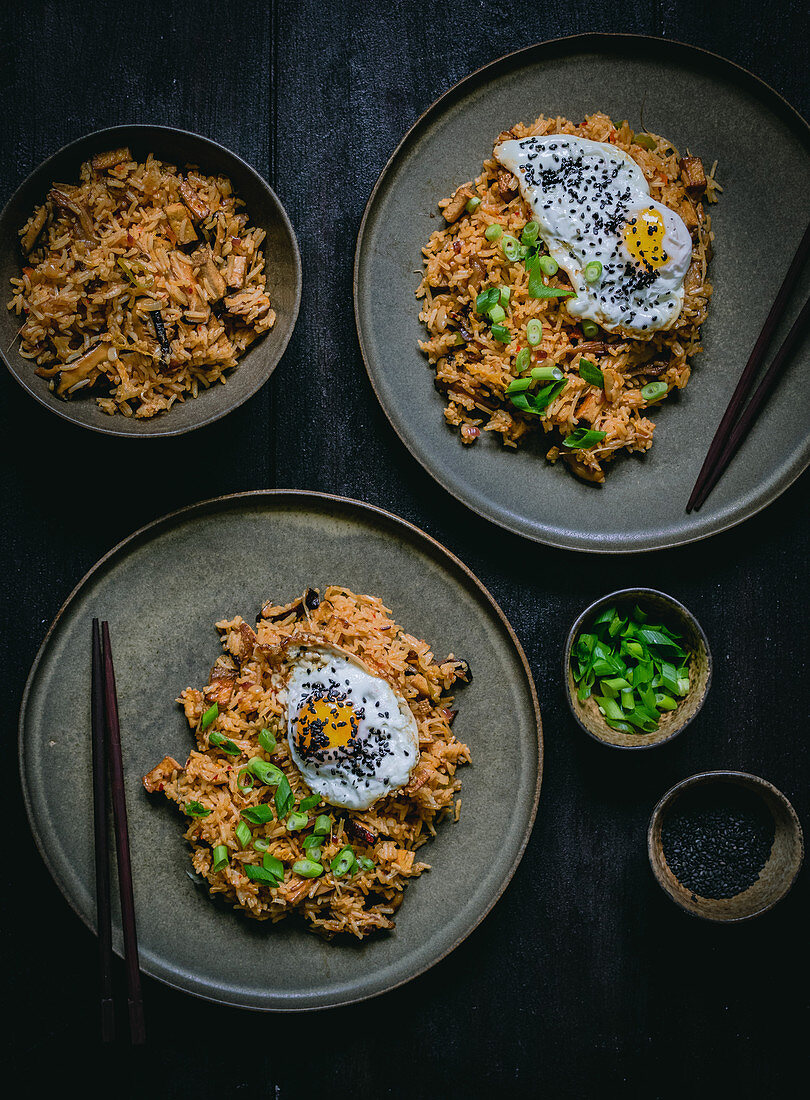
637, 668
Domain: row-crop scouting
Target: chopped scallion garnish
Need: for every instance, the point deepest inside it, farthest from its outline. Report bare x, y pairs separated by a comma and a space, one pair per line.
581, 438
654, 391
209, 716
307, 868
591, 373
591, 272
243, 834
219, 857
493, 232
196, 809
267, 741
221, 742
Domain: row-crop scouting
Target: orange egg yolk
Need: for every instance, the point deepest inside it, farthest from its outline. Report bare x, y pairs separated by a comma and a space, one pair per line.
324, 724
644, 237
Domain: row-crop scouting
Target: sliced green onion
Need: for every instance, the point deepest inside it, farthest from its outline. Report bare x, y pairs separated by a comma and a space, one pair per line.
209, 716
243, 834
240, 781
590, 329
583, 437
493, 232
634, 670
665, 702
296, 821
529, 234
323, 825
261, 874
272, 864
487, 299
523, 360
312, 841
510, 246
653, 391
496, 314
258, 815
472, 204
222, 742
220, 857
261, 844
546, 374
265, 772
365, 863
501, 334
284, 798
267, 741
520, 385
591, 373
505, 295
534, 332
310, 802
196, 809
592, 271
343, 862
307, 868
538, 289
548, 265
646, 141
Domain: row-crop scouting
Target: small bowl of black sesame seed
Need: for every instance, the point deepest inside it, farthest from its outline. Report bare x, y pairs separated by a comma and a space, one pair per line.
725, 845
626, 657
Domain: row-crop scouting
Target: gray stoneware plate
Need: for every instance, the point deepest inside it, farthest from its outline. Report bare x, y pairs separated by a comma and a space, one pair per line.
162, 589
283, 267
702, 103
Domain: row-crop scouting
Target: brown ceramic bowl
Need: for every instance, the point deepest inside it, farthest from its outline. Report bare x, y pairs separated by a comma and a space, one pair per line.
283, 269
673, 614
775, 878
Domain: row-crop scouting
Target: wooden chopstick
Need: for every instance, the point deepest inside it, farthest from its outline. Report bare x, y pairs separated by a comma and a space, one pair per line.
752, 411
748, 375
137, 1028
101, 837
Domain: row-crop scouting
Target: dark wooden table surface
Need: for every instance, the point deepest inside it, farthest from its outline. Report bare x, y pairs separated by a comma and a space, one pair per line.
585, 981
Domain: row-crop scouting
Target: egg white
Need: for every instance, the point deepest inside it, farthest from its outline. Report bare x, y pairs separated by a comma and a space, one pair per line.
384, 748
583, 194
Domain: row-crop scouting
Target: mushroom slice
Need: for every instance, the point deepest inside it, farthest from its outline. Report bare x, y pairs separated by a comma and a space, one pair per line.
102, 161
31, 235
180, 222
84, 370
193, 201
65, 202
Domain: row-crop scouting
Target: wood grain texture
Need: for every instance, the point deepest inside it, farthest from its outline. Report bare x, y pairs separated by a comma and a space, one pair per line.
585, 981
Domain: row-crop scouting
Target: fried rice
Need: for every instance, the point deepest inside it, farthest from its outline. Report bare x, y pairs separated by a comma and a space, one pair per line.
473, 369
142, 284
247, 686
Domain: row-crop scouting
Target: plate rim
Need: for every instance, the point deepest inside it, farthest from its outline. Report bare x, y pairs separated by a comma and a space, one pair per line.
224, 501
568, 44
160, 433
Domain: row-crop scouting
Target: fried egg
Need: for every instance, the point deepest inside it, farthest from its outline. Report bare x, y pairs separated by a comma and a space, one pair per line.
592, 203
352, 737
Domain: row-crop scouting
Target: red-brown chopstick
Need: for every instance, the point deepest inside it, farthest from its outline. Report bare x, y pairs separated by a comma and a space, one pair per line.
752, 411
101, 837
137, 1029
748, 376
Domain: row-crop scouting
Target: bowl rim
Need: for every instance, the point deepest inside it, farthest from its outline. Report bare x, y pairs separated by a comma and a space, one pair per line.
626, 593
755, 782
217, 148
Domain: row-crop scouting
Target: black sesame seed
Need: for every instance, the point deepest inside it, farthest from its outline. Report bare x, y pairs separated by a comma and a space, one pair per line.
716, 841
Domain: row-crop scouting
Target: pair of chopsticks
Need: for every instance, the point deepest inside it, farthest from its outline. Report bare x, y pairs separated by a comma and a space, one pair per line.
108, 764
732, 431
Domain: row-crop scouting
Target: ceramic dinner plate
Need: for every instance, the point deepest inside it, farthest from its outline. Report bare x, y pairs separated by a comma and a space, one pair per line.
282, 267
703, 104
162, 590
